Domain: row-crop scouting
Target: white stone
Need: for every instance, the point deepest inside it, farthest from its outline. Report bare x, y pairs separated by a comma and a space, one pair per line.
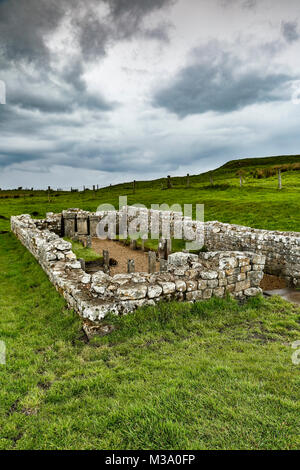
209, 275
154, 291
168, 287
132, 293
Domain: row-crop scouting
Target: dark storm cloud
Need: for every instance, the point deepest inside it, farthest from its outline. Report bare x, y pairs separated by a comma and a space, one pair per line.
290, 31
34, 82
124, 20
26, 24
219, 81
23, 26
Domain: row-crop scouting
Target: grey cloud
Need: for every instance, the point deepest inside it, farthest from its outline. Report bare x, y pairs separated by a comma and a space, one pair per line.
26, 26
160, 32
33, 20
290, 31
248, 4
48, 97
23, 26
219, 81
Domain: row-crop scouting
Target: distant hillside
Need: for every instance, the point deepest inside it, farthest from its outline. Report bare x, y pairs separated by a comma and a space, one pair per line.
251, 166
259, 162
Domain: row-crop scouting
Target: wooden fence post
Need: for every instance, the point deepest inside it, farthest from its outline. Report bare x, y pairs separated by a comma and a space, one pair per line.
279, 179
188, 180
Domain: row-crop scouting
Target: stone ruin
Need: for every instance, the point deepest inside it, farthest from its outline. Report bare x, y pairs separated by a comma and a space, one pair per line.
184, 277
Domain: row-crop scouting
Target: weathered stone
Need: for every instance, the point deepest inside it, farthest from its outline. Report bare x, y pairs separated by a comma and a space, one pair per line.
86, 279
154, 291
209, 275
191, 285
228, 263
213, 283
70, 255
202, 284
219, 292
168, 287
252, 291
180, 259
195, 295
132, 293
207, 293
242, 285
180, 286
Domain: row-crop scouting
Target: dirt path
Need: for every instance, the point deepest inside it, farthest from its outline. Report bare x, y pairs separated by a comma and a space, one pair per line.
272, 282
122, 254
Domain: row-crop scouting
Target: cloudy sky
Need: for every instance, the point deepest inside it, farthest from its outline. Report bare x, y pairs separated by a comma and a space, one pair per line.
105, 91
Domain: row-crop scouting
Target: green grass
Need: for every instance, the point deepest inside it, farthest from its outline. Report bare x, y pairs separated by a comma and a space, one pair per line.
210, 375
88, 254
213, 375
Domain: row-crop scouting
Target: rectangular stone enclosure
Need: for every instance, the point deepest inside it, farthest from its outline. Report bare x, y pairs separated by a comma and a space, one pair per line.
186, 277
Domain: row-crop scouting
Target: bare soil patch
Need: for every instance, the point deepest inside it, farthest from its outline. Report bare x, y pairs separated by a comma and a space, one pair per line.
270, 282
122, 254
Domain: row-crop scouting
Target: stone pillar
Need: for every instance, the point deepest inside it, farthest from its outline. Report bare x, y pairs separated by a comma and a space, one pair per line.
106, 261
163, 265
133, 244
168, 248
82, 224
94, 220
161, 248
130, 266
169, 182
188, 180
143, 244
69, 224
151, 262
106, 258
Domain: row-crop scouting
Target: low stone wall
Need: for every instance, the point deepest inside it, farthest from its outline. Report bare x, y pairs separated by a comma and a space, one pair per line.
188, 277
281, 249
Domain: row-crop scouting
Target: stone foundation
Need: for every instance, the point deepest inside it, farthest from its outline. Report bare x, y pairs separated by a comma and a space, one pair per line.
187, 277
281, 249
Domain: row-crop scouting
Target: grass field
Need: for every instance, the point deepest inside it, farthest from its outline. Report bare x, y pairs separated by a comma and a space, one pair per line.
212, 375
258, 203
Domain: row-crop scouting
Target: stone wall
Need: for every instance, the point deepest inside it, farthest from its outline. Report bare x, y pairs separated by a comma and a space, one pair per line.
188, 277
281, 249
